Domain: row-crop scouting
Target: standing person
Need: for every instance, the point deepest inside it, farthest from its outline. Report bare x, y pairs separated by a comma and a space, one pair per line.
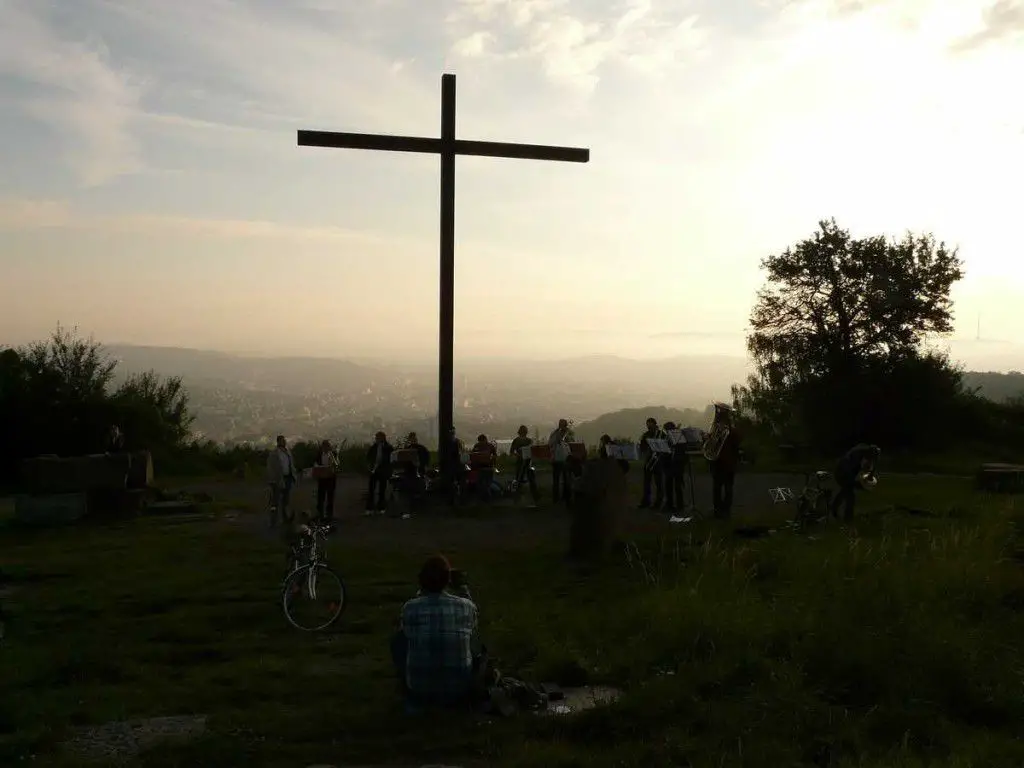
561, 484
653, 472
674, 466
483, 457
281, 477
602, 452
422, 454
115, 439
722, 450
327, 481
525, 472
859, 460
454, 450
378, 457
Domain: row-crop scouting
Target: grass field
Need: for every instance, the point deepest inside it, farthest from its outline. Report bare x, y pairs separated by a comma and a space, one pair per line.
895, 642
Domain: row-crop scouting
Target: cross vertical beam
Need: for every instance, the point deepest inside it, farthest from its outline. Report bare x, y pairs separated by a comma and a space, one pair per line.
446, 317
447, 147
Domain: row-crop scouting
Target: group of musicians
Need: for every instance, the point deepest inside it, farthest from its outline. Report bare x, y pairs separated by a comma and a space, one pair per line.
664, 472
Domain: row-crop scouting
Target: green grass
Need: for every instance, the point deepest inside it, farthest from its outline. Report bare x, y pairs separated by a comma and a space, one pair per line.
896, 644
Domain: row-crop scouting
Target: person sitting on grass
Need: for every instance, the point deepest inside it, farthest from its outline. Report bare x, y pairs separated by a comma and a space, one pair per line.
860, 461
436, 651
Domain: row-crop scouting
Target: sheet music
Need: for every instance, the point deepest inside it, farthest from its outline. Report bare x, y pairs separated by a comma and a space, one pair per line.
691, 434
625, 451
676, 436
659, 446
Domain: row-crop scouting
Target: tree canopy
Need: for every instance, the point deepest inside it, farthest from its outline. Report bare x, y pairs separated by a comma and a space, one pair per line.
838, 337
58, 396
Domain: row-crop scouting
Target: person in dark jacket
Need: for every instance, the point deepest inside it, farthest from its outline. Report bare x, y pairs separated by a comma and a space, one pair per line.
652, 463
378, 457
327, 481
422, 452
723, 467
860, 461
674, 466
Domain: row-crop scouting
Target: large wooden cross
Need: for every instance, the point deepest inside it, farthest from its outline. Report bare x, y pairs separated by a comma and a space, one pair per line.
447, 146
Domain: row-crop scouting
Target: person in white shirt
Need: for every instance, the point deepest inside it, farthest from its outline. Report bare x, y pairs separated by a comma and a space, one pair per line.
281, 477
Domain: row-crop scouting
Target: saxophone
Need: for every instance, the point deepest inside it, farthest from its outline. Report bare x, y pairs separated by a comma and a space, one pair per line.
714, 440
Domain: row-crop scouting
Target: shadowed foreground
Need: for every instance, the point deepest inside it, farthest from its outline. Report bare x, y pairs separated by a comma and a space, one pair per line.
892, 643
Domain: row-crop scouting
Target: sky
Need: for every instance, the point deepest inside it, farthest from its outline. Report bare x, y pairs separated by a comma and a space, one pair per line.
152, 190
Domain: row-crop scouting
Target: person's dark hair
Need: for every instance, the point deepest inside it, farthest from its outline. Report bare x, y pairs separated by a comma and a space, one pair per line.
436, 574
279, 439
481, 438
606, 438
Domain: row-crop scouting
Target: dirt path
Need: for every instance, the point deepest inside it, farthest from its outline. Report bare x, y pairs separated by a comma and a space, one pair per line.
500, 524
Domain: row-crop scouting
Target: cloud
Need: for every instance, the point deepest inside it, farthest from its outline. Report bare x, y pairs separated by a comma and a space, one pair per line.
38, 215
1002, 20
83, 96
472, 46
571, 42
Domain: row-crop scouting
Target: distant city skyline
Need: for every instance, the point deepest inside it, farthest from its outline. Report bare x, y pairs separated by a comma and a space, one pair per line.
153, 192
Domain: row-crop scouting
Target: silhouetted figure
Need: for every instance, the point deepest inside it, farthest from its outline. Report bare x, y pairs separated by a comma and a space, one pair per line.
115, 439
525, 472
722, 449
281, 477
561, 483
482, 457
860, 460
422, 453
327, 462
674, 468
652, 464
378, 457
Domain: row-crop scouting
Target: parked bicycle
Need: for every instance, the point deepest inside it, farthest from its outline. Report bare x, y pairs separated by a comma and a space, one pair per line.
812, 503
313, 595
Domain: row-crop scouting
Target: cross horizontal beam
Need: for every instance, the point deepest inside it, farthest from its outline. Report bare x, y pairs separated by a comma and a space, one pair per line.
424, 145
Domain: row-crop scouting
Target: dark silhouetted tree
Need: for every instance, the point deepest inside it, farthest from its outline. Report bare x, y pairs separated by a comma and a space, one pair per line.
56, 396
838, 336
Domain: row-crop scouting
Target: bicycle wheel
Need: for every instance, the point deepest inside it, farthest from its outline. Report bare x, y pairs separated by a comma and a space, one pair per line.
313, 597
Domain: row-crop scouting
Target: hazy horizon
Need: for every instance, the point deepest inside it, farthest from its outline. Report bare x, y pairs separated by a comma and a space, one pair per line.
153, 192
974, 354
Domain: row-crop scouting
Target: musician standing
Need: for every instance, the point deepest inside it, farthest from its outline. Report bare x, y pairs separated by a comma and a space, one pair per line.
326, 459
412, 442
379, 459
858, 462
525, 472
675, 466
561, 484
652, 466
722, 449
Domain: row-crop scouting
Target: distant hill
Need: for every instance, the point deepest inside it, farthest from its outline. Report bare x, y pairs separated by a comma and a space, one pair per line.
288, 374
996, 386
630, 422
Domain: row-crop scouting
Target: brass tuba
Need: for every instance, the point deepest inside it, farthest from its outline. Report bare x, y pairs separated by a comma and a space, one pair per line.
714, 440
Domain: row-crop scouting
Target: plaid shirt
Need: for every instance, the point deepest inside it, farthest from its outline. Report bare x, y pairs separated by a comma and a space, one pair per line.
439, 630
